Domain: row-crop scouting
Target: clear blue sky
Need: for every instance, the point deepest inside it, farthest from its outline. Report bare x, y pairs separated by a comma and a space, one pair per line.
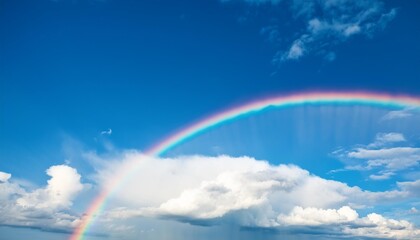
70, 70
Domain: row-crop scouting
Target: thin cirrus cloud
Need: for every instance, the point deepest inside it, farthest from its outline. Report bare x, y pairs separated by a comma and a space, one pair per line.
325, 24
46, 208
249, 193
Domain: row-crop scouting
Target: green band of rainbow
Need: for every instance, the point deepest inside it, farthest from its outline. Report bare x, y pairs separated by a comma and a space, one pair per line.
339, 98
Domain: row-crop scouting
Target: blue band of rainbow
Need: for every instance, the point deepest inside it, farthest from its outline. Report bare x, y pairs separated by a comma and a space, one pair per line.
317, 98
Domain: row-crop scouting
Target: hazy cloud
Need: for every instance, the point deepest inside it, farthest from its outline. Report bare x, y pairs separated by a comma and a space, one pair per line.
398, 114
106, 132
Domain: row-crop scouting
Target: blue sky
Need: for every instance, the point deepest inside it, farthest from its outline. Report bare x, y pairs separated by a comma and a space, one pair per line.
72, 70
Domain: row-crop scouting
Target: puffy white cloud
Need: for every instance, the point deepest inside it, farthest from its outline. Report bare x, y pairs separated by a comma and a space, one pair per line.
62, 187
157, 174
377, 226
315, 216
45, 208
244, 191
347, 220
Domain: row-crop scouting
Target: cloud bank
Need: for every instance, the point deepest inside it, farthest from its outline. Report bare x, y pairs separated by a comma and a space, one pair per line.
249, 193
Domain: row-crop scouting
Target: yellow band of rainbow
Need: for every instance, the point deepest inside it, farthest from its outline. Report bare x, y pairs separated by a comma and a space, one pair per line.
316, 98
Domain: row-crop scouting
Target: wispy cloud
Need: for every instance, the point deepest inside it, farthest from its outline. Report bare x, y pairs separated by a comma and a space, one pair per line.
381, 156
398, 114
325, 24
107, 132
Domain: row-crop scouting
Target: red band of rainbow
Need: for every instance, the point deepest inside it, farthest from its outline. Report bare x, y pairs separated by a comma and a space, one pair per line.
340, 98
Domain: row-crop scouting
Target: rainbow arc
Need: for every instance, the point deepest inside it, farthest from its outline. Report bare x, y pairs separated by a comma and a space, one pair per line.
314, 98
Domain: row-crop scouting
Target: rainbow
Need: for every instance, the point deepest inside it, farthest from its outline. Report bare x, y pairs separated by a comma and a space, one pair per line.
314, 98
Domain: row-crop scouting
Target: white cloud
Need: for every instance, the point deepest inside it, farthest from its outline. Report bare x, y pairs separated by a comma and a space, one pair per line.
4, 177
387, 138
44, 208
381, 156
381, 176
62, 187
244, 191
398, 114
377, 226
106, 132
392, 159
412, 187
316, 216
327, 23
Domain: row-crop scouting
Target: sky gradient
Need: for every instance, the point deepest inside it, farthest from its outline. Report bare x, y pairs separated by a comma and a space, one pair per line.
88, 86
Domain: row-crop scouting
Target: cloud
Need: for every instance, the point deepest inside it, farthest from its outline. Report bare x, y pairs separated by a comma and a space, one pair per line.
106, 132
381, 156
4, 177
347, 220
336, 22
398, 114
44, 208
387, 138
391, 159
242, 191
324, 24
62, 187
316, 216
377, 226
412, 187
381, 176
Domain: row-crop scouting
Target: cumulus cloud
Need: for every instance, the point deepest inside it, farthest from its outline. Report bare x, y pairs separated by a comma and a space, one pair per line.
243, 190
348, 221
316, 216
377, 226
45, 208
327, 23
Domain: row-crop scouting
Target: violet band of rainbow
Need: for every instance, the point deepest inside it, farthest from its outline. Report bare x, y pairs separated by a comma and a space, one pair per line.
315, 98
